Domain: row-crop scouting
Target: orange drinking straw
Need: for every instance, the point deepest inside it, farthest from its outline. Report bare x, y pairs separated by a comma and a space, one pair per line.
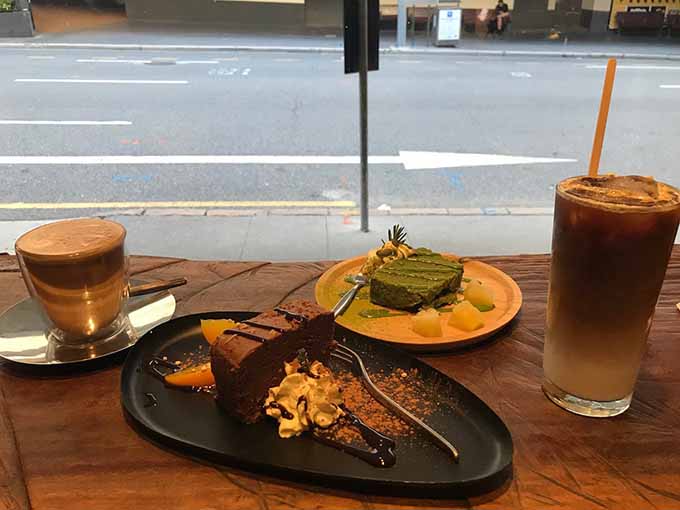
602, 117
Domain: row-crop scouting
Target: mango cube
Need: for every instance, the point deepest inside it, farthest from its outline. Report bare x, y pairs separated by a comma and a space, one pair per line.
466, 317
426, 323
479, 294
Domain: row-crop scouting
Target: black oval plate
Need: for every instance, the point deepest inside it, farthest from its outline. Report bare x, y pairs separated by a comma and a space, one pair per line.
192, 424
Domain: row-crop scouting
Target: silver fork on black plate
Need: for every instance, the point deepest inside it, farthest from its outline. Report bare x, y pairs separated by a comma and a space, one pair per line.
347, 355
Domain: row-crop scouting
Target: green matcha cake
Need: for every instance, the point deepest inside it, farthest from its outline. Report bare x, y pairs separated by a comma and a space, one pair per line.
416, 281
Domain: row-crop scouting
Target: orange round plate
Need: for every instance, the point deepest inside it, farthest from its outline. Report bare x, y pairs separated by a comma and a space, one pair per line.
397, 329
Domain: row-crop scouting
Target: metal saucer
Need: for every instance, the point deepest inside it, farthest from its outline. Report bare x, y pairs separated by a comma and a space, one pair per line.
23, 337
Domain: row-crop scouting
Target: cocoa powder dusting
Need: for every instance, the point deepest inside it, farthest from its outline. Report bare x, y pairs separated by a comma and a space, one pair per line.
403, 386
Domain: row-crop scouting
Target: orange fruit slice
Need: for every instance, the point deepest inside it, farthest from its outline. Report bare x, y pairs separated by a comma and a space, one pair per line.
212, 328
197, 375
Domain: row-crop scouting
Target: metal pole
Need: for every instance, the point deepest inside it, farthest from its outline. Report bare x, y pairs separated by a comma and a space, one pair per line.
401, 23
413, 26
363, 108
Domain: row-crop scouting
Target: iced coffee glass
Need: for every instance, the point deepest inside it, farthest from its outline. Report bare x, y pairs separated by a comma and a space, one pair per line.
612, 238
77, 272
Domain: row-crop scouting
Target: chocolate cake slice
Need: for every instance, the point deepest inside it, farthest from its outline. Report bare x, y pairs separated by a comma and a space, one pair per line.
248, 360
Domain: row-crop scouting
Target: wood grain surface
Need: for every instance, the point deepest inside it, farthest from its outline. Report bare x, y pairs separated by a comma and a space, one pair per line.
64, 442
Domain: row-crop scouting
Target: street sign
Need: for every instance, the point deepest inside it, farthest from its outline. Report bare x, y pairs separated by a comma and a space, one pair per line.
352, 34
448, 26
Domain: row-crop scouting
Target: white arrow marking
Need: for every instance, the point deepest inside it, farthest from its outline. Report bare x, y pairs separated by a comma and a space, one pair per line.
429, 160
412, 160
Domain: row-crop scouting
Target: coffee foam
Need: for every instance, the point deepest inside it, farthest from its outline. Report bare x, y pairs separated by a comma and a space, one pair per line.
629, 192
71, 239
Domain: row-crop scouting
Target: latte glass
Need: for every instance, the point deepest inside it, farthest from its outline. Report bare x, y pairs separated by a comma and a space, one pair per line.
612, 239
77, 271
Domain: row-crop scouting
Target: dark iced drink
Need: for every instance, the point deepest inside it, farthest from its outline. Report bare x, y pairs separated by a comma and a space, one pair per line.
612, 238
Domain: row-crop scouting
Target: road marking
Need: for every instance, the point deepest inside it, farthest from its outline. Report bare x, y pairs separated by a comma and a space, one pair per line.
410, 61
287, 59
119, 82
411, 160
224, 71
669, 86
246, 71
520, 74
133, 61
419, 160
184, 62
67, 122
177, 204
110, 61
41, 57
228, 59
639, 67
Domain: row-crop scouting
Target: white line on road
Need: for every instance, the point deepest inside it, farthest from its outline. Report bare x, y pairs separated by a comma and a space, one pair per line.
183, 62
134, 61
520, 74
669, 86
41, 57
246, 71
287, 59
110, 61
411, 160
410, 61
69, 80
639, 67
67, 122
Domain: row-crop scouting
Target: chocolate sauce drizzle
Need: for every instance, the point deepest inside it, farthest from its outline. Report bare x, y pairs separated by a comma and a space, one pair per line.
308, 373
266, 325
291, 316
285, 413
154, 365
151, 400
381, 453
247, 334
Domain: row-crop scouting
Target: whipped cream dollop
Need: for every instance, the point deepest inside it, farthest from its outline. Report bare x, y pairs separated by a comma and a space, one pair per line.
304, 399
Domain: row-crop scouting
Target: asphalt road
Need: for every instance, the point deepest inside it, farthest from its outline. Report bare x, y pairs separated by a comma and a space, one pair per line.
303, 105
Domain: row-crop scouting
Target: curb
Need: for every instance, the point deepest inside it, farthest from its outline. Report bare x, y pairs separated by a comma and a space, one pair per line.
335, 50
324, 212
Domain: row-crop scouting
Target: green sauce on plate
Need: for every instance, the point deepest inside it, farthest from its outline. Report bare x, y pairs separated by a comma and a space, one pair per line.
379, 313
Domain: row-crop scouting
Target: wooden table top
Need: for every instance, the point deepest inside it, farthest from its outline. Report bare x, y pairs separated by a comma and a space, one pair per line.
64, 442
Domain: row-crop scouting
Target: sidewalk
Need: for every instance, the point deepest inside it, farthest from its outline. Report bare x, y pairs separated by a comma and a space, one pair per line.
312, 235
313, 238
121, 36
